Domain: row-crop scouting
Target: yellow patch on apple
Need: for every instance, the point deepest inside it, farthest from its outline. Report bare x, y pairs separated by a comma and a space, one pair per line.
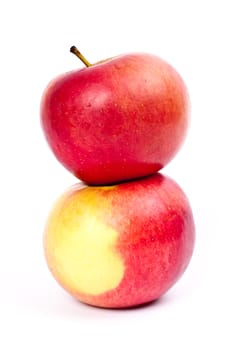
80, 247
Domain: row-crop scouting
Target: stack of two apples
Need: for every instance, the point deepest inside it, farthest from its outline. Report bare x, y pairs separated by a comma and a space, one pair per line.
125, 234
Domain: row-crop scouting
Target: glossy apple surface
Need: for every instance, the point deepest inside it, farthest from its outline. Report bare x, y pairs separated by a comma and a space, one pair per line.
117, 120
122, 245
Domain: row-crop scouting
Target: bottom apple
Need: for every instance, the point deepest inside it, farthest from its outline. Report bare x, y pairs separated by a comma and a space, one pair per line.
122, 245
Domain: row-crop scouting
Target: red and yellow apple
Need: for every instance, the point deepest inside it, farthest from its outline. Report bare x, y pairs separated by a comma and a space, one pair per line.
119, 119
122, 245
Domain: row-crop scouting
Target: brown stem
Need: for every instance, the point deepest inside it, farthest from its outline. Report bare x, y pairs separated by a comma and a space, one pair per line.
76, 52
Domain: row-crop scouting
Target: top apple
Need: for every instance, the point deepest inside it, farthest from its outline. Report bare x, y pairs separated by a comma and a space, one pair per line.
116, 120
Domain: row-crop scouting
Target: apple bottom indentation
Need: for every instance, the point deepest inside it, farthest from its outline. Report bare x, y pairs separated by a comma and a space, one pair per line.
120, 246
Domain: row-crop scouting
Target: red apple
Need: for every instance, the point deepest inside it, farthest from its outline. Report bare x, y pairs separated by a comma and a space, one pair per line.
119, 119
122, 245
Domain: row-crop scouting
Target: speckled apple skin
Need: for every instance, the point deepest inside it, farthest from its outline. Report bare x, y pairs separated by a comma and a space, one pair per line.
153, 245
118, 120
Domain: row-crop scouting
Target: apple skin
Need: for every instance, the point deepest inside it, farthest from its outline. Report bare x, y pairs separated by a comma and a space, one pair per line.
120, 246
120, 119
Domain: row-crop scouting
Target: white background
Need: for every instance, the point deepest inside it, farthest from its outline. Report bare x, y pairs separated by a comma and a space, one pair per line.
207, 42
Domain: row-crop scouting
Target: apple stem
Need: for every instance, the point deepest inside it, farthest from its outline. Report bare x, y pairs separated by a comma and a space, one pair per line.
76, 52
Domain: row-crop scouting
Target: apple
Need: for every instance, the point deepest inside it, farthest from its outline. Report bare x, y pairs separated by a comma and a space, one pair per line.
119, 119
122, 245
